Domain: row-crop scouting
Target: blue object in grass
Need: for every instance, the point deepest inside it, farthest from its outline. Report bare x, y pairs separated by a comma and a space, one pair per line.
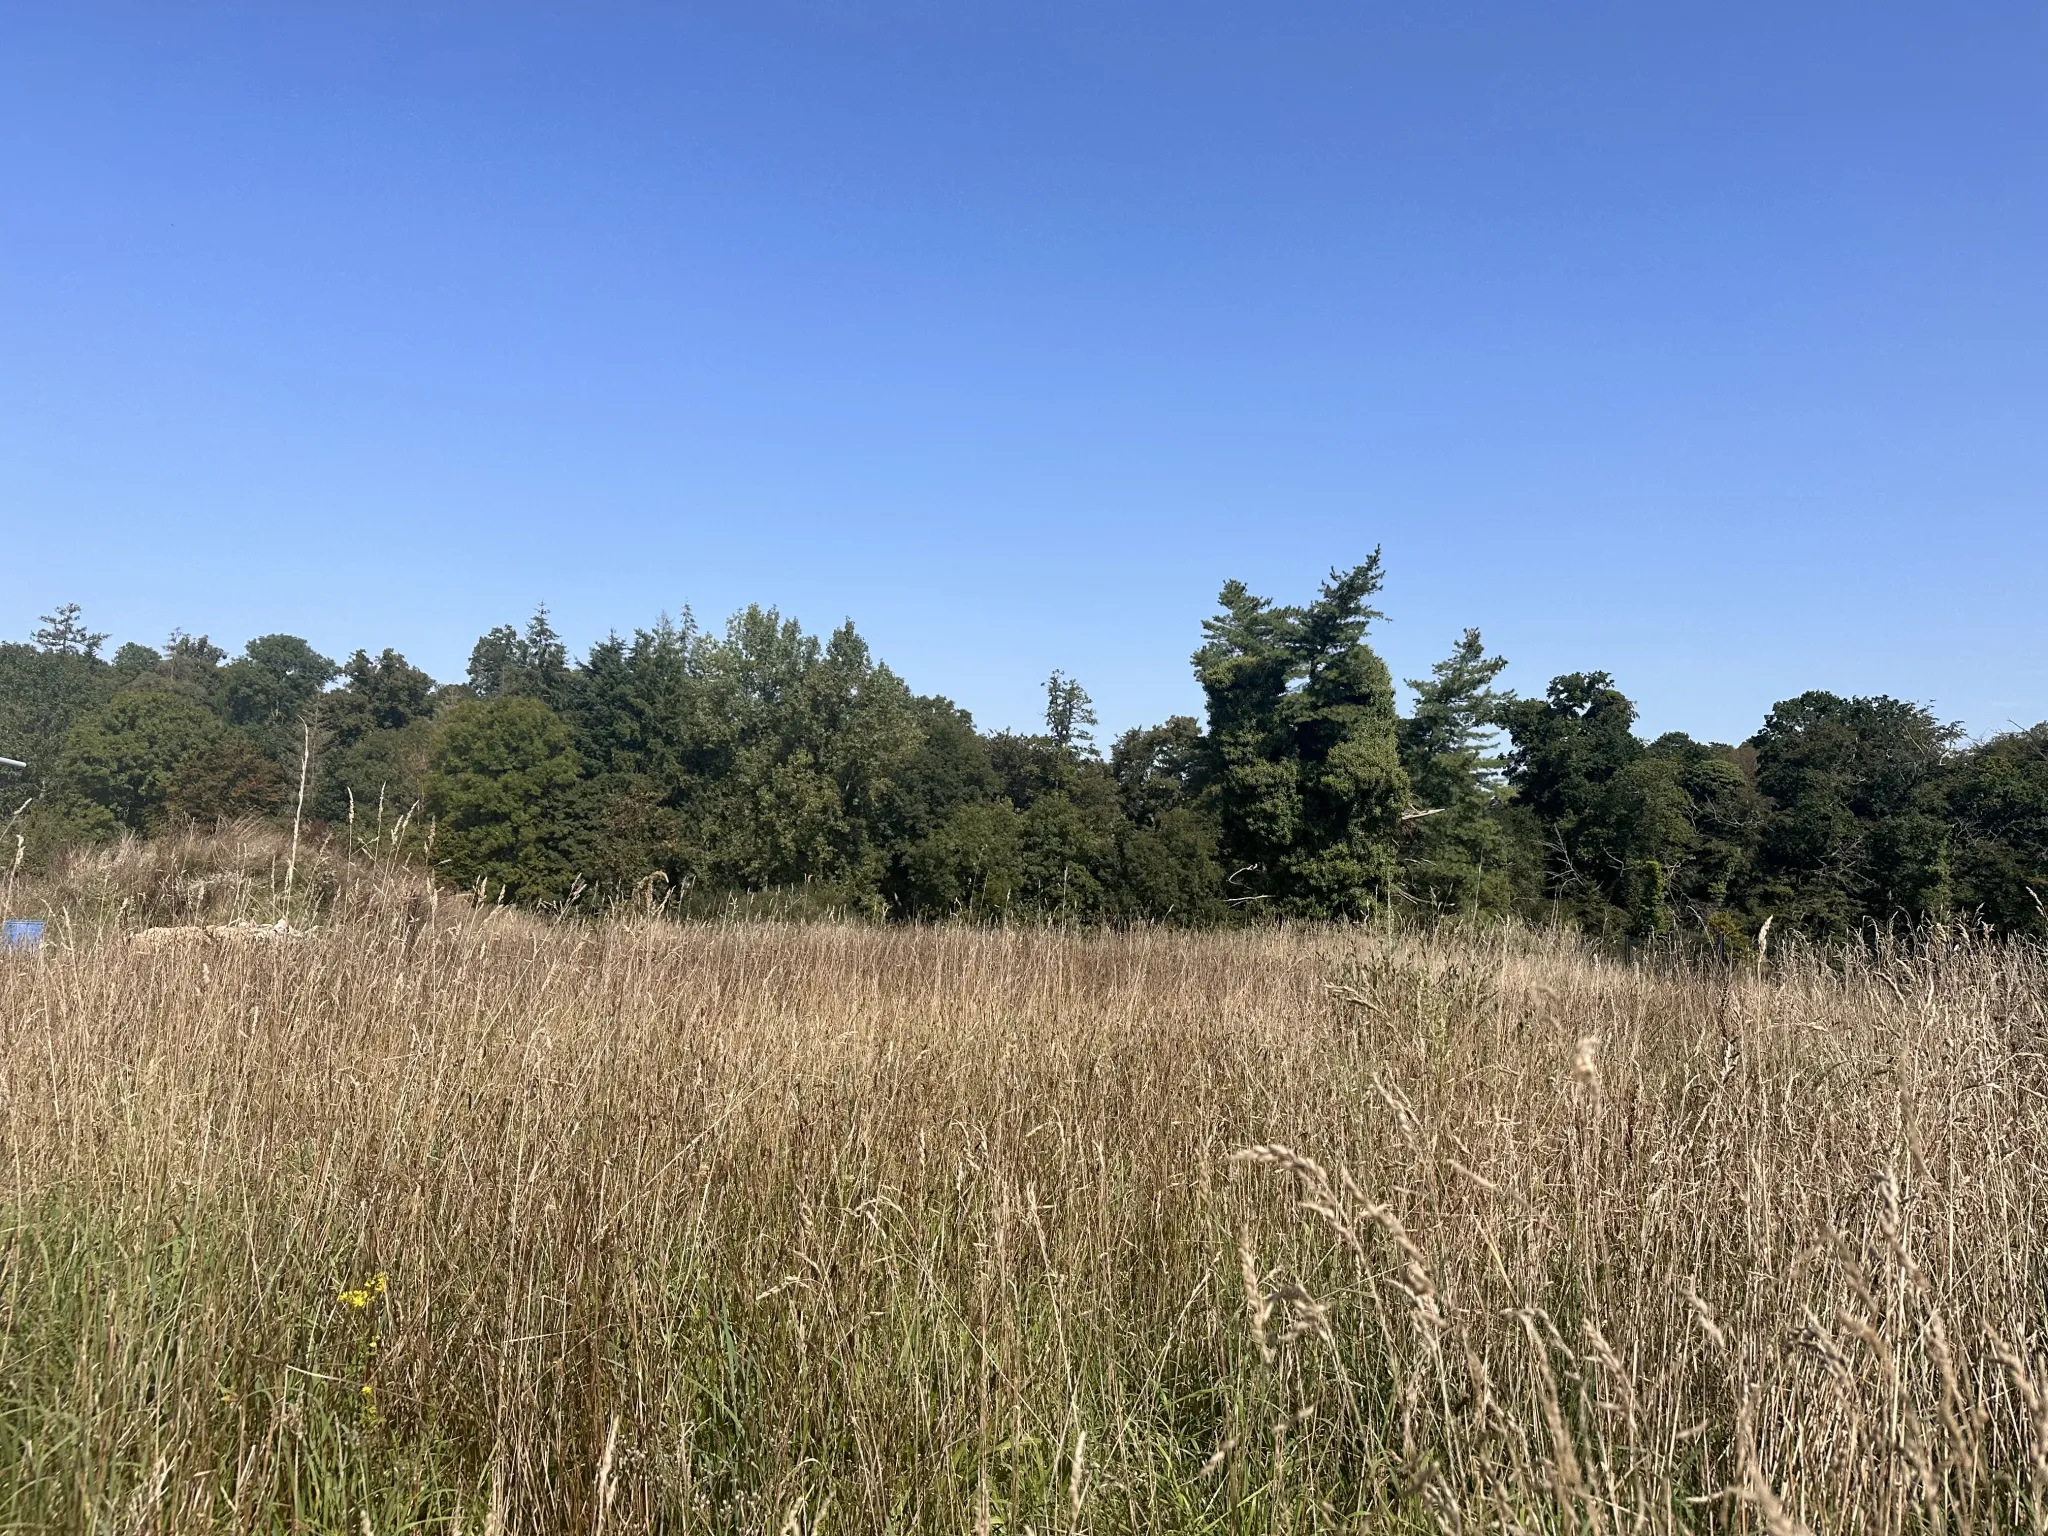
19, 933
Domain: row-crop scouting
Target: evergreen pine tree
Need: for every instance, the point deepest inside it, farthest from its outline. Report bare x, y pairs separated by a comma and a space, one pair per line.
1302, 736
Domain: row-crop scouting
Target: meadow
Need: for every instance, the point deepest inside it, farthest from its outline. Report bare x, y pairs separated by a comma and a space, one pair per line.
456, 1219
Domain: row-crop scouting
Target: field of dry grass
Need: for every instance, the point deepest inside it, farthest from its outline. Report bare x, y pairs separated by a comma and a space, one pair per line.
449, 1220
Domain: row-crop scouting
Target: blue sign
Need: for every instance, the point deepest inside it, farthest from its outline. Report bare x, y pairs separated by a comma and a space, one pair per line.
20, 933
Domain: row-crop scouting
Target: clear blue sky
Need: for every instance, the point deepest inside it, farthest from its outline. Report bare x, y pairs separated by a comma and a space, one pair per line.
1707, 344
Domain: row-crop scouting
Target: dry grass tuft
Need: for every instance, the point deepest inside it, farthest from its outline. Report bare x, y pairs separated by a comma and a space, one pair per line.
239, 874
453, 1220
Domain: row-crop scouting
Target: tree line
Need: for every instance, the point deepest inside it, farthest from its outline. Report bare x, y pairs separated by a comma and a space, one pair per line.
686, 763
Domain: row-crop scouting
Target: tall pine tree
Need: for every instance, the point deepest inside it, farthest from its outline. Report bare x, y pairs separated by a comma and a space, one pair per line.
1306, 761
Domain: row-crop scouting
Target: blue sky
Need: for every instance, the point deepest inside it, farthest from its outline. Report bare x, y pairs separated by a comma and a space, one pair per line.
1706, 344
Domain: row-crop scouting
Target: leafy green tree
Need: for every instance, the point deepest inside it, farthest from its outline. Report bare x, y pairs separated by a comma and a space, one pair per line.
228, 777
189, 665
1997, 795
64, 633
46, 685
1036, 824
1027, 767
376, 734
1858, 829
270, 690
493, 661
1061, 843
641, 706
1708, 841
779, 754
1159, 768
1450, 742
970, 865
643, 732
45, 688
1302, 731
1167, 869
1569, 745
1642, 825
1069, 715
378, 693
124, 757
1636, 839
635, 839
1068, 848
192, 666
506, 663
375, 779
133, 661
775, 759
42, 694
1463, 848
1569, 748
951, 768
503, 786
818, 738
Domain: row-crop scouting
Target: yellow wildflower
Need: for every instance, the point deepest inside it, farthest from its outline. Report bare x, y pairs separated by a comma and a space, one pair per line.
361, 1296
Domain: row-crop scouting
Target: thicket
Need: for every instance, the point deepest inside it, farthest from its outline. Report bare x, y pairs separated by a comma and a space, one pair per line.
686, 766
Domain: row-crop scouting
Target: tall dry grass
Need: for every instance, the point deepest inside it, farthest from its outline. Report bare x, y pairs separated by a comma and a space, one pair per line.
455, 1220
246, 872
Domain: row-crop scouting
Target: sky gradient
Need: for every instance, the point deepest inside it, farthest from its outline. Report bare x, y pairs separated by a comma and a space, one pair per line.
1705, 344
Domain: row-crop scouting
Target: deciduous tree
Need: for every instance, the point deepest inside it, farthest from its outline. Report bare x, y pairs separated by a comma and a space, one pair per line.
502, 787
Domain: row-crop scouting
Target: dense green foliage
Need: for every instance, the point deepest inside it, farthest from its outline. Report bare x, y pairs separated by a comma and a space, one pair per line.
502, 787
678, 765
1305, 755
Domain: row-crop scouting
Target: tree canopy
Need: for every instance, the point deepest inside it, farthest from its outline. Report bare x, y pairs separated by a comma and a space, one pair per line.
759, 759
1302, 727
